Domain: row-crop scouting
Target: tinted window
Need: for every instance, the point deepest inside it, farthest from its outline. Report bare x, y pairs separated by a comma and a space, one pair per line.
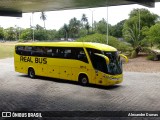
24, 50
19, 50
97, 61
54, 52
91, 51
72, 53
38, 51
81, 55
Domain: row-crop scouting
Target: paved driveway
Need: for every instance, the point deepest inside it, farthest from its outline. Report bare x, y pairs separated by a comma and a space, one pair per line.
138, 92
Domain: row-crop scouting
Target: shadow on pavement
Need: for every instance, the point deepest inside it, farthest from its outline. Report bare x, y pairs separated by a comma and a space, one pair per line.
73, 82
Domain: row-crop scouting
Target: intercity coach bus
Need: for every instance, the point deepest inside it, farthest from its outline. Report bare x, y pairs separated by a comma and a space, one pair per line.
84, 62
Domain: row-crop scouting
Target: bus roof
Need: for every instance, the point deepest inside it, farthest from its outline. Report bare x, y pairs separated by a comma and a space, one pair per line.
98, 46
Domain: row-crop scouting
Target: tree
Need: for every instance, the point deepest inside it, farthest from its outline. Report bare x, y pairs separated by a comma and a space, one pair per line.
154, 34
74, 27
146, 17
51, 34
101, 27
1, 33
116, 30
84, 19
26, 34
10, 34
85, 23
82, 32
43, 17
134, 26
134, 39
60, 34
38, 27
41, 35
66, 31
141, 17
145, 35
87, 26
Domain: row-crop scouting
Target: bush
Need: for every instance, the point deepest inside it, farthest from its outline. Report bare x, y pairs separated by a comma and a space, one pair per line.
20, 40
112, 41
133, 54
151, 57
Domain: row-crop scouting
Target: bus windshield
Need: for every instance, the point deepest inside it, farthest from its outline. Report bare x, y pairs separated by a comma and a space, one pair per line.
115, 65
99, 63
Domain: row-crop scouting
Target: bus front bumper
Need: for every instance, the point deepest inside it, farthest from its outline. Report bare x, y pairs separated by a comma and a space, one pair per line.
110, 80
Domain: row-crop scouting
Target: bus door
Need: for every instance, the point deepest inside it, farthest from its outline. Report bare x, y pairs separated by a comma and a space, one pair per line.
99, 65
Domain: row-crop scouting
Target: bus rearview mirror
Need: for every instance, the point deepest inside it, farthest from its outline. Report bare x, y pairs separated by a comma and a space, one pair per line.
125, 57
103, 56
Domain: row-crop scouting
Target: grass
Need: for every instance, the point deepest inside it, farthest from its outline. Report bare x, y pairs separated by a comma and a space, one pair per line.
6, 50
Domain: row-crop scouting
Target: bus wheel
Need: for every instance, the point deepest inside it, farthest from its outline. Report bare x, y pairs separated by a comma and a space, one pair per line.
83, 79
31, 73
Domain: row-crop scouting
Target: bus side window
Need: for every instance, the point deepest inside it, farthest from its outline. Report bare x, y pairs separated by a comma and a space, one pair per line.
27, 51
55, 52
60, 53
81, 55
37, 51
47, 51
19, 50
65, 53
68, 53
93, 57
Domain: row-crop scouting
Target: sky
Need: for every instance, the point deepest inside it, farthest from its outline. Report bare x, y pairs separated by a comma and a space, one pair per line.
56, 19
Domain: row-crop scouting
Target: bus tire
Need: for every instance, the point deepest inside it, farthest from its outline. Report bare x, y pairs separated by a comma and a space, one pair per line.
31, 73
83, 79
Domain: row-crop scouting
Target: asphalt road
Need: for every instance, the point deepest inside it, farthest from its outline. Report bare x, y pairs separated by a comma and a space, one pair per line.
138, 92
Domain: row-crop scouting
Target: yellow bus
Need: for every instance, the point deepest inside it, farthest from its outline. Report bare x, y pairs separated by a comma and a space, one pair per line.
84, 62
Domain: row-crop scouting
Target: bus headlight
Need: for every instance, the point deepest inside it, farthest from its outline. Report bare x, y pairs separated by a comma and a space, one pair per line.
113, 78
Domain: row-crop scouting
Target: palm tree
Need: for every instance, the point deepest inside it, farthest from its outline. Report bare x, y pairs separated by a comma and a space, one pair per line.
38, 27
84, 19
134, 38
66, 30
43, 17
87, 26
74, 26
